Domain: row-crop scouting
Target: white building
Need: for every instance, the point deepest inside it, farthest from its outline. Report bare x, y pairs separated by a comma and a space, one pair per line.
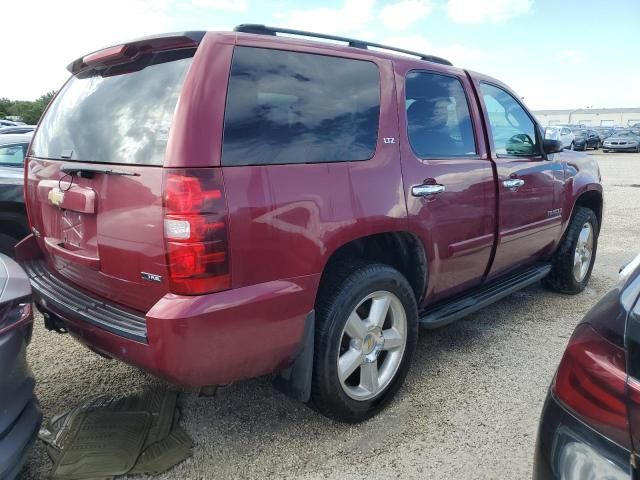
594, 117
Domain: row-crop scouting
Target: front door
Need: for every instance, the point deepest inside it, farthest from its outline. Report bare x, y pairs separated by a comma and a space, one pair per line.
529, 222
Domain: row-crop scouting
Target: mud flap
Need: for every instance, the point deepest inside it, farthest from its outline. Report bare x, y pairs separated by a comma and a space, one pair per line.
295, 381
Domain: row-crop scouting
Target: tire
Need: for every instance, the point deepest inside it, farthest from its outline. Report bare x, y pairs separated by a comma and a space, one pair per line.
351, 288
565, 276
597, 146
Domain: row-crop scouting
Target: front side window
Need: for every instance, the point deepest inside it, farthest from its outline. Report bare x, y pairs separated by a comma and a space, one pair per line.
288, 107
438, 119
513, 131
12, 155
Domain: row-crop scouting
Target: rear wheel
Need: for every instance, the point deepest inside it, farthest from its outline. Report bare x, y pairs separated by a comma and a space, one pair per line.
366, 334
573, 261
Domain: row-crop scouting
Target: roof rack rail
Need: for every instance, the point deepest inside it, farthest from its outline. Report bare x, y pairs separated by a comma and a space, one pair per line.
264, 30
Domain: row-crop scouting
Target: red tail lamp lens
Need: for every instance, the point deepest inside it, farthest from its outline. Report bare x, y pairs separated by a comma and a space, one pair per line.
196, 231
591, 382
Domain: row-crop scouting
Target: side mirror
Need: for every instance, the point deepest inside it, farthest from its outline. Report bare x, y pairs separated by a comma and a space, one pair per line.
551, 146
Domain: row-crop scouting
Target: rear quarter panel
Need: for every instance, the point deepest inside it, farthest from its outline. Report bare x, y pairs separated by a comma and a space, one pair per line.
285, 221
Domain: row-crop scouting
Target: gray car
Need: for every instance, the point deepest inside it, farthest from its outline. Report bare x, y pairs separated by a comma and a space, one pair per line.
17, 129
13, 217
622, 141
20, 415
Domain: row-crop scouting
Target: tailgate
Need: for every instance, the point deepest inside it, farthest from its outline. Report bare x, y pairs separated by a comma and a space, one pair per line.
95, 175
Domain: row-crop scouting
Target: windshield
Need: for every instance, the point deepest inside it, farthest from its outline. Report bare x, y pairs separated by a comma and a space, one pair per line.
582, 133
12, 154
117, 116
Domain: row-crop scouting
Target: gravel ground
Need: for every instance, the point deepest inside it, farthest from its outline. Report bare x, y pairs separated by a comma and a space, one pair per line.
469, 408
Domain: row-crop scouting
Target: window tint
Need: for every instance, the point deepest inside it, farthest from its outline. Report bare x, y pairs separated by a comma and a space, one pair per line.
438, 119
513, 131
287, 107
12, 154
118, 116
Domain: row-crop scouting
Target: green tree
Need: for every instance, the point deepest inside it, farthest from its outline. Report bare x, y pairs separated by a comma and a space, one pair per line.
29, 111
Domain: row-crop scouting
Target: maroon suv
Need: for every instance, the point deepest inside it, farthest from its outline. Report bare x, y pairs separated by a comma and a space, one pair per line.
215, 206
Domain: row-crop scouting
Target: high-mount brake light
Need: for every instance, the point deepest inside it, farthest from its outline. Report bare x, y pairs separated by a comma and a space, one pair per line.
195, 229
105, 56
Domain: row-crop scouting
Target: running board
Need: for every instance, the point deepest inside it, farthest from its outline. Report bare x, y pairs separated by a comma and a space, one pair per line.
449, 311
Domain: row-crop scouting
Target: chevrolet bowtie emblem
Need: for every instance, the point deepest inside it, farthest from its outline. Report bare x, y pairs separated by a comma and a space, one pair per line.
56, 196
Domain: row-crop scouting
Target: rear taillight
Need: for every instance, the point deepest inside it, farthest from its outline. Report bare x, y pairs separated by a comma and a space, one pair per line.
591, 382
195, 230
14, 314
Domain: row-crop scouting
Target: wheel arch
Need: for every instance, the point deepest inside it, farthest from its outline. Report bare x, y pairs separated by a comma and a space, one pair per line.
401, 250
593, 200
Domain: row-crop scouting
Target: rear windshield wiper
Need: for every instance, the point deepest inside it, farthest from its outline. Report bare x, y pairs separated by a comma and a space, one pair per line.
90, 170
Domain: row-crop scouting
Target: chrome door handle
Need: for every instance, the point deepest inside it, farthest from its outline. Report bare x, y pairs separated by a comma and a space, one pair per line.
426, 190
513, 183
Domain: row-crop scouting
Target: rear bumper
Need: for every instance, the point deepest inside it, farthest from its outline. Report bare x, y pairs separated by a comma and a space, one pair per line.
569, 449
194, 341
620, 148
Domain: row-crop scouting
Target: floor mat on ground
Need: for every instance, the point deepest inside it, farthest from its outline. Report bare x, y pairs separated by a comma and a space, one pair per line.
113, 435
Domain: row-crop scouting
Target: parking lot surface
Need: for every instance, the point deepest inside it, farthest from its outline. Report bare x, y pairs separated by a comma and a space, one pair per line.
469, 408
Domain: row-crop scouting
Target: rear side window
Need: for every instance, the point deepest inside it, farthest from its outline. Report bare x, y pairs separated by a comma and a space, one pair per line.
122, 115
438, 119
287, 107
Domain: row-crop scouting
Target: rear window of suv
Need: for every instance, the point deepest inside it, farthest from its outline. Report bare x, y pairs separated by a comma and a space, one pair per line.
121, 115
288, 107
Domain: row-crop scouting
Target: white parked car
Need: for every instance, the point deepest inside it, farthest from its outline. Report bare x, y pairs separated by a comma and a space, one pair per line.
562, 133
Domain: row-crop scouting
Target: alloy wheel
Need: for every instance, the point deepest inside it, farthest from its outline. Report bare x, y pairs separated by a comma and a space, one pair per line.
583, 252
372, 345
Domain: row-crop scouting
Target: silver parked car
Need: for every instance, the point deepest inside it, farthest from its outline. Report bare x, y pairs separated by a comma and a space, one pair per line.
562, 133
17, 129
622, 141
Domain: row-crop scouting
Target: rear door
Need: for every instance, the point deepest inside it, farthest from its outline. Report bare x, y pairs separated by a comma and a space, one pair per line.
448, 177
95, 174
529, 222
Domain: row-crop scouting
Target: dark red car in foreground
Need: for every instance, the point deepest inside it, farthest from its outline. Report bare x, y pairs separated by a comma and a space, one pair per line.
218, 206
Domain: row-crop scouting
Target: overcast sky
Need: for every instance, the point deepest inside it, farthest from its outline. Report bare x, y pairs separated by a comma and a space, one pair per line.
555, 54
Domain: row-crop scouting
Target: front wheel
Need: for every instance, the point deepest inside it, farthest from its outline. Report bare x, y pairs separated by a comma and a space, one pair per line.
366, 332
573, 261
